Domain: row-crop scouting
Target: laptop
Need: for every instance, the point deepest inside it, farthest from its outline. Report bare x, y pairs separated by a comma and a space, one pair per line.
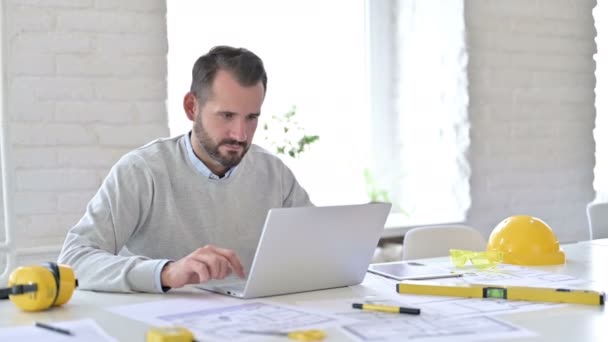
310, 248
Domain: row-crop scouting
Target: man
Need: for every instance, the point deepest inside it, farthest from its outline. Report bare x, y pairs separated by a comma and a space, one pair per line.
187, 209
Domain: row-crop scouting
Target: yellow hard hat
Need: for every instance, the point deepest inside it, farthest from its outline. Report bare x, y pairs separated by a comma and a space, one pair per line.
526, 240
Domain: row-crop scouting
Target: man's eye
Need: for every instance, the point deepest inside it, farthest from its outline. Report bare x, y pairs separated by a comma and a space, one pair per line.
227, 115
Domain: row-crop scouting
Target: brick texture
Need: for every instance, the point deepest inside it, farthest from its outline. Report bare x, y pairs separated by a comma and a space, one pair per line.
531, 93
86, 82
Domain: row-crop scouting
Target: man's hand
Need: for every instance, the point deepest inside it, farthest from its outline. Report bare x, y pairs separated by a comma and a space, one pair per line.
202, 265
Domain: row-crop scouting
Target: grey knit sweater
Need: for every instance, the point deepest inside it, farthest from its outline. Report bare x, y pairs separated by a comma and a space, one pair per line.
154, 205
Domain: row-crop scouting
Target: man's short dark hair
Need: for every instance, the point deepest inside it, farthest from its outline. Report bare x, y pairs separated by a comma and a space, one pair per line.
244, 65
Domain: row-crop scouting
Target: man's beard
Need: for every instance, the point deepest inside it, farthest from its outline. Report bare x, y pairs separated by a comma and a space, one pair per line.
212, 149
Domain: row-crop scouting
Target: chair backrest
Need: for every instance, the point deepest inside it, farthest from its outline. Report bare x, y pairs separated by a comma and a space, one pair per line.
597, 216
435, 241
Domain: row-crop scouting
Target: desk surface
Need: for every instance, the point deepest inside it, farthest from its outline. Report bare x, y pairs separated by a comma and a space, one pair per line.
585, 260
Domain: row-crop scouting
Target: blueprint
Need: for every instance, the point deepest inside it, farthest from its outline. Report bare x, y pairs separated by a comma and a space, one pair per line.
426, 329
226, 322
443, 320
513, 275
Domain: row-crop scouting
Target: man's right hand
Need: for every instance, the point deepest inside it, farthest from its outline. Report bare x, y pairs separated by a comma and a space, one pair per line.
204, 264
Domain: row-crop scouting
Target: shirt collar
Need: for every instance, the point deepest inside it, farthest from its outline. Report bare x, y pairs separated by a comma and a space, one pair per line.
199, 165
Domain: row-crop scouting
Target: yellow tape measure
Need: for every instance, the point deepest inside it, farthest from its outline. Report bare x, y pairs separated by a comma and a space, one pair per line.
169, 334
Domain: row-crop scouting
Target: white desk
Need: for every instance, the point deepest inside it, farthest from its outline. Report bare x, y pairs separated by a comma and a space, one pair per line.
585, 260
603, 242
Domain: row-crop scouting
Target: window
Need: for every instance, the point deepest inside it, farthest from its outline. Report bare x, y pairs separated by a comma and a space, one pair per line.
343, 76
431, 105
314, 63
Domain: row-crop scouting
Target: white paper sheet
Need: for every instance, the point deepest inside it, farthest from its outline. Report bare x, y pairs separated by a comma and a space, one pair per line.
438, 324
513, 275
147, 311
225, 322
434, 307
82, 330
441, 330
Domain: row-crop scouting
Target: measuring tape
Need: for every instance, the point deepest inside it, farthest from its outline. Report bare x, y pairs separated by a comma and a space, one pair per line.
169, 334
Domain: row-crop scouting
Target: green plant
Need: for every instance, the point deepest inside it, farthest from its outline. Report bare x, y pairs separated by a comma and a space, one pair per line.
373, 192
376, 194
286, 135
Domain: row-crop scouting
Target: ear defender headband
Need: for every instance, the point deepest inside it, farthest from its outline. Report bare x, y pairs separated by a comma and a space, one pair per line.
39, 287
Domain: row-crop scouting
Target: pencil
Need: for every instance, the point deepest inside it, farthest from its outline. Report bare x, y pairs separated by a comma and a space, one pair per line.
387, 308
53, 328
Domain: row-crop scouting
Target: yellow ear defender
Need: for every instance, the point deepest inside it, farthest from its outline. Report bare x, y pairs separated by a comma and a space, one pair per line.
35, 288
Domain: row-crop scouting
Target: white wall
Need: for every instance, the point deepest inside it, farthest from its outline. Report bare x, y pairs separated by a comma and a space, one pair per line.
531, 81
86, 82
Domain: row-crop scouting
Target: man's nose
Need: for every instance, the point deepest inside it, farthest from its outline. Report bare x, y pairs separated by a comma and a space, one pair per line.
238, 131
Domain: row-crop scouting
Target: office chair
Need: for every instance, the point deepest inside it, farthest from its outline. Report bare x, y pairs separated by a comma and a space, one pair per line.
597, 216
436, 241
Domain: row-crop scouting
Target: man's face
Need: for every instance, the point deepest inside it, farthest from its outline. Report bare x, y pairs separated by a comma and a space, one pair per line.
224, 126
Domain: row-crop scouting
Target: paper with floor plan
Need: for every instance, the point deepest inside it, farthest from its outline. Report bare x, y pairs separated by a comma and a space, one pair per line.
225, 322
433, 307
82, 330
513, 275
430, 330
440, 321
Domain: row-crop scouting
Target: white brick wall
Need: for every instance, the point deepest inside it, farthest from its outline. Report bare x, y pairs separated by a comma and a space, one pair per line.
86, 82
600, 182
531, 89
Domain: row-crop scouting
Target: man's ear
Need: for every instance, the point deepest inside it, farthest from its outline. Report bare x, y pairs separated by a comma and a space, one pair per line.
190, 105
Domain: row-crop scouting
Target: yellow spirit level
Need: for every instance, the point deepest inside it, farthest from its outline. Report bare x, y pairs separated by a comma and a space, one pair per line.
532, 294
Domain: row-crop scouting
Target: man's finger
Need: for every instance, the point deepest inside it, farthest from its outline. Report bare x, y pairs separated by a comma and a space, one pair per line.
232, 259
212, 259
226, 270
213, 262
